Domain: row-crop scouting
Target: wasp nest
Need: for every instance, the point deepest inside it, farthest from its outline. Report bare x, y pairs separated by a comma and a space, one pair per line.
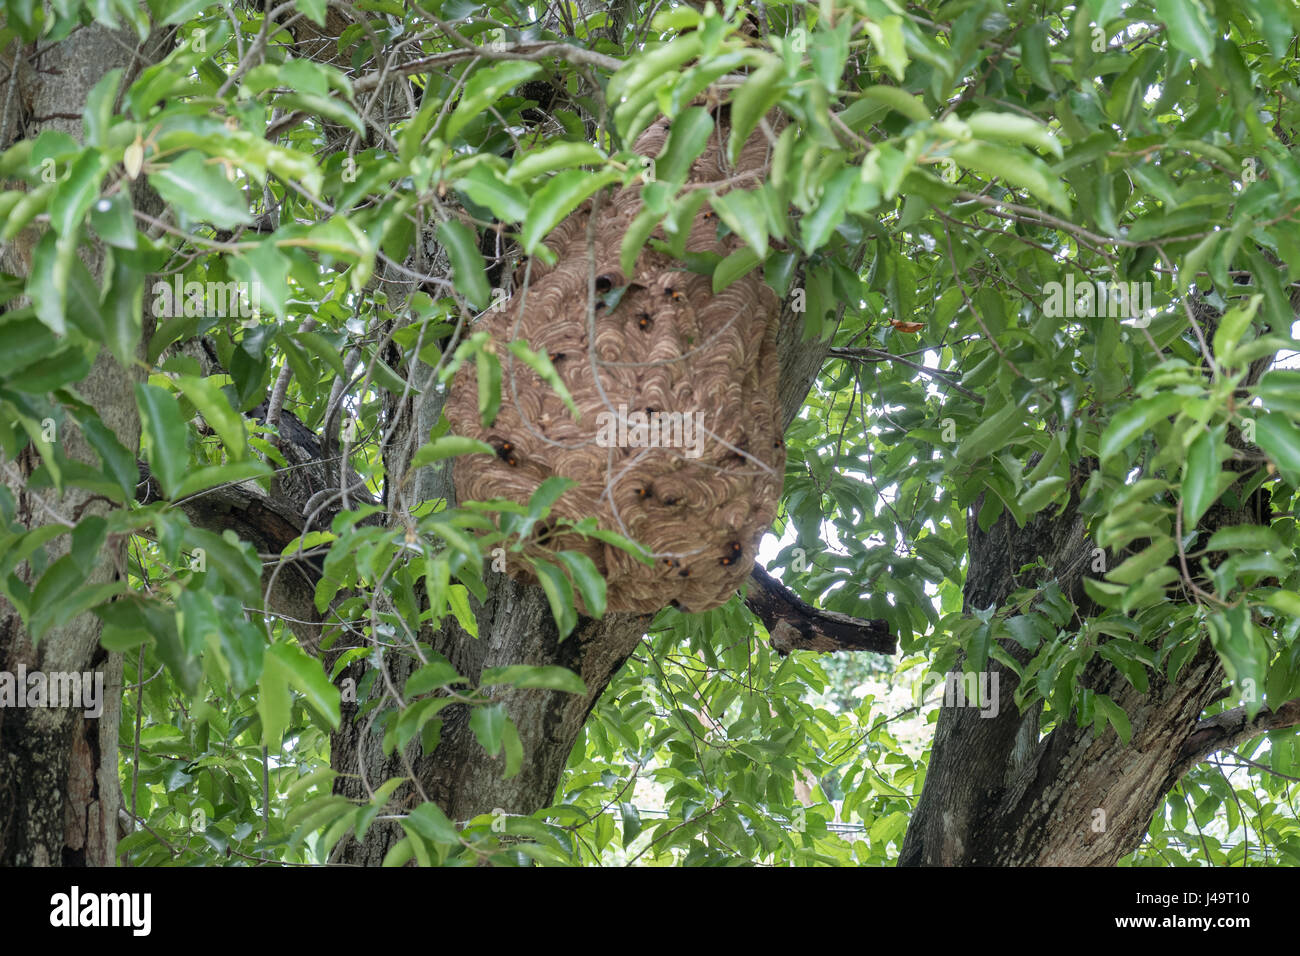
678, 441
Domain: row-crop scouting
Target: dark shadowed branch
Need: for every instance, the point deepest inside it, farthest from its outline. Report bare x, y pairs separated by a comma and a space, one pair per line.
1233, 727
795, 625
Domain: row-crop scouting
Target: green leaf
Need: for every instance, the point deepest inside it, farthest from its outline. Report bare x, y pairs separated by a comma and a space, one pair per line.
209, 398
288, 663
74, 195
322, 105
469, 272
323, 349
1288, 602
382, 375
264, 269
488, 723
123, 311
631, 822
556, 156
130, 622
1013, 128
1281, 442
488, 371
458, 600
430, 822
273, 702
1190, 27
1243, 652
1201, 476
119, 464
210, 476
829, 212
201, 191
1041, 493
1015, 166
435, 674
887, 37
400, 853
541, 364
234, 561
977, 649
912, 107
182, 10
419, 718
1279, 390
97, 117
1245, 537
1137, 567
314, 9
446, 447
166, 446
742, 211
1131, 421
751, 102
991, 433
514, 749
219, 620
560, 596
1194, 261
1234, 324
47, 283
23, 342
1034, 55
547, 494
687, 138
560, 196
635, 239
1115, 714
482, 90
740, 263
634, 86
591, 586
483, 185
830, 51
525, 676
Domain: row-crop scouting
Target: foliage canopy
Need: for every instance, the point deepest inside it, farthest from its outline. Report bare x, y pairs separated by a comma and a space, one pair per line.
962, 194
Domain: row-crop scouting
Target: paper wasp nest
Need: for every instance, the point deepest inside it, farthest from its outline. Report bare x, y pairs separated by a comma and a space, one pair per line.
678, 444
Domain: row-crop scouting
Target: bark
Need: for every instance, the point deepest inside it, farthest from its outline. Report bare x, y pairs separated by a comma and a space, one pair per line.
59, 790
805, 628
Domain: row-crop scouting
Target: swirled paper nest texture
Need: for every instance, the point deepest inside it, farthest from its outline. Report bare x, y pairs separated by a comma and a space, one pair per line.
678, 441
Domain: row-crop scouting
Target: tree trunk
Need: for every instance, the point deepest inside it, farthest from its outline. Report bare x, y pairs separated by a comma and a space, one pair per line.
59, 790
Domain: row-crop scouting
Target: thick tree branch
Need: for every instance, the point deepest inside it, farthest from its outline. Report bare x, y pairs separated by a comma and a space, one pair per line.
1233, 727
795, 625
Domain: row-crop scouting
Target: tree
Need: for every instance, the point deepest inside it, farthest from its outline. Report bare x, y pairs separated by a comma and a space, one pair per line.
1033, 265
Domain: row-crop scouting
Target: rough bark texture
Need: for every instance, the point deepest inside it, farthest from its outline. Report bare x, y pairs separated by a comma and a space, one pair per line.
59, 792
796, 625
